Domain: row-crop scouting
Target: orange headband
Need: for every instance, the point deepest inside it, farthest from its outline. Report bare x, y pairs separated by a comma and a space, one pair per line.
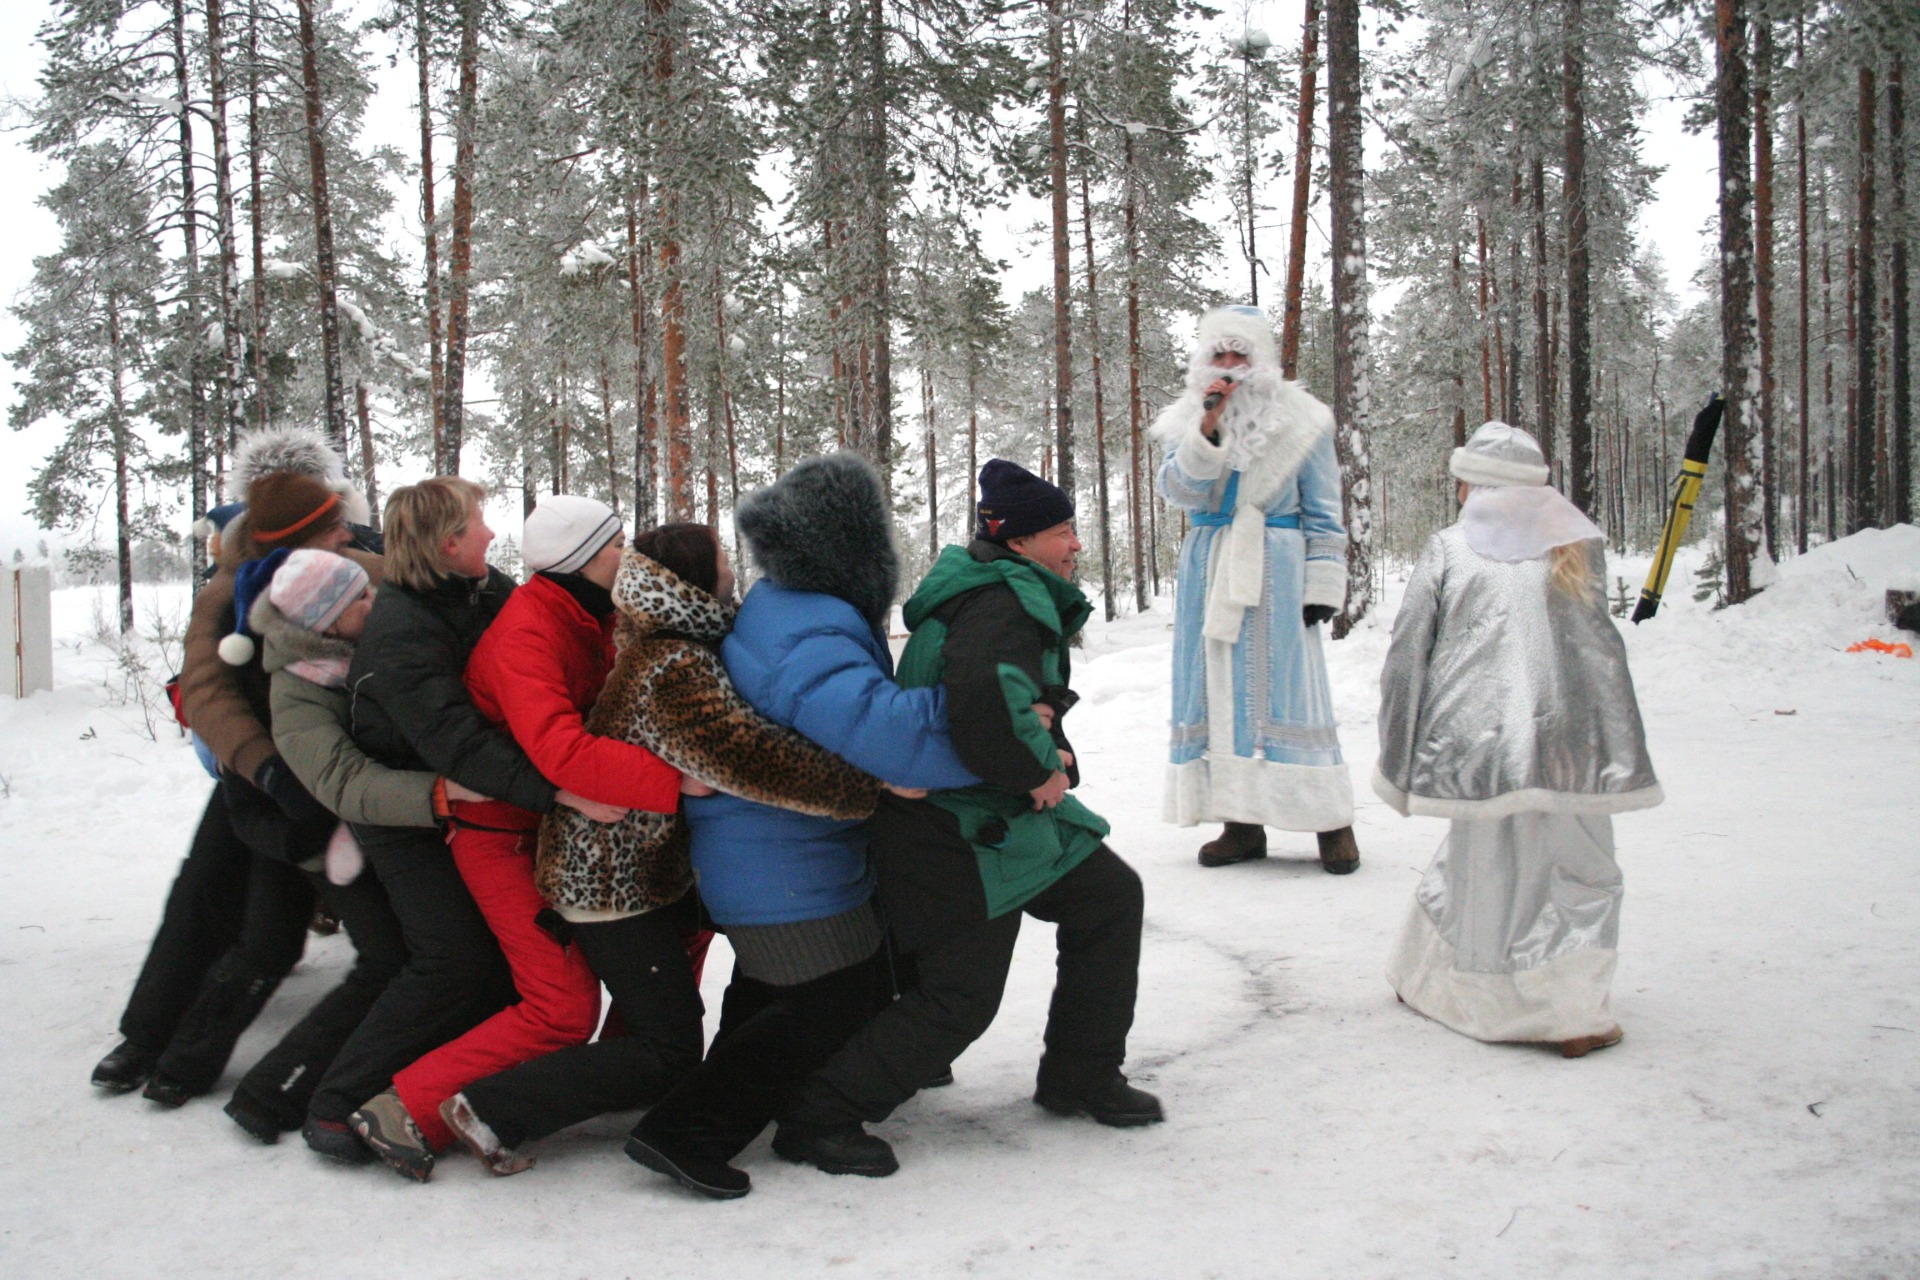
333, 500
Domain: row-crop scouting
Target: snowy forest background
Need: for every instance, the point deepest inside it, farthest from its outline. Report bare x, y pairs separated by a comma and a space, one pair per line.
658, 250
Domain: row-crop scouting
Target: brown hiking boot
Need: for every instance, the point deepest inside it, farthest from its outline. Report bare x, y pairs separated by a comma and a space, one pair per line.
1339, 854
1240, 842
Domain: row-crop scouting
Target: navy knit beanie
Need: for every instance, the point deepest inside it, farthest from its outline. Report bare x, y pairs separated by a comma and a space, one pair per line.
1014, 502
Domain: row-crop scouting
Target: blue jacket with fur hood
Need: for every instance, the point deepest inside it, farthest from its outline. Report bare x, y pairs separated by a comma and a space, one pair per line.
808, 650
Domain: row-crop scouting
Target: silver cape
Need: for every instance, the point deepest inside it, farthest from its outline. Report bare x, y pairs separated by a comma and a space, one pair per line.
1502, 695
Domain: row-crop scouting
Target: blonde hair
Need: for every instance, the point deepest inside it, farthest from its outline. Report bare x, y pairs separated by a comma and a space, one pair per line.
418, 519
1571, 574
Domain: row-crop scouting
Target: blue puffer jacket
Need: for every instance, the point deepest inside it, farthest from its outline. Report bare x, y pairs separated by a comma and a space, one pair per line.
810, 661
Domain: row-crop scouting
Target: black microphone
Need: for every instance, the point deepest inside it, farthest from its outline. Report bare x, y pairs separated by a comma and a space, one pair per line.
1213, 398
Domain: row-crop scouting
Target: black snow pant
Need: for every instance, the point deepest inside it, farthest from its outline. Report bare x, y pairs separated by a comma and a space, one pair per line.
642, 961
962, 966
234, 924
453, 979
770, 1039
282, 1084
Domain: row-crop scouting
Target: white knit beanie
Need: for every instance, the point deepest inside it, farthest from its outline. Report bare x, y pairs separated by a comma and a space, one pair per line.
1499, 455
565, 531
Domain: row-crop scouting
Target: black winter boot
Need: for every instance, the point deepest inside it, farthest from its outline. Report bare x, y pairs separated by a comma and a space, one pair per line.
126, 1068
715, 1179
1339, 852
1240, 842
259, 1124
848, 1149
229, 1001
1110, 1102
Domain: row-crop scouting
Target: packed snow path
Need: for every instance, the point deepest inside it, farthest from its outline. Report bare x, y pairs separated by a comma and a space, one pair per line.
1758, 1120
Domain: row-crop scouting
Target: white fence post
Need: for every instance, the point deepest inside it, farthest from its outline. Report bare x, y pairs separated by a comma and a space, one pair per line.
28, 608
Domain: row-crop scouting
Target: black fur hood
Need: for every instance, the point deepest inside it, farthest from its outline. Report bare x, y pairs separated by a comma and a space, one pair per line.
824, 527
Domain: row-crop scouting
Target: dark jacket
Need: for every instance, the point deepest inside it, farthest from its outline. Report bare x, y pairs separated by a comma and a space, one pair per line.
992, 629
411, 709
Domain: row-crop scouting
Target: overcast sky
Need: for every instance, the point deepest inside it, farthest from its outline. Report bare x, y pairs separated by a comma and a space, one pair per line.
1684, 197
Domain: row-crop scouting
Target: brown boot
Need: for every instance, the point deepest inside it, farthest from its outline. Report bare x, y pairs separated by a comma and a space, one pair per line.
1338, 852
1240, 842
1581, 1046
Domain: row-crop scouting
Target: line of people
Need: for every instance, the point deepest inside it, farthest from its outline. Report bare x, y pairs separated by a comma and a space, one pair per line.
512, 796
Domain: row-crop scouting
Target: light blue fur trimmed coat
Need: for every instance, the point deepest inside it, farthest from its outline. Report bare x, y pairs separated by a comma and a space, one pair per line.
1253, 733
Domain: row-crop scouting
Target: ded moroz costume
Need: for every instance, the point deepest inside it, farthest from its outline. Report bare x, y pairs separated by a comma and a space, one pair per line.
1254, 741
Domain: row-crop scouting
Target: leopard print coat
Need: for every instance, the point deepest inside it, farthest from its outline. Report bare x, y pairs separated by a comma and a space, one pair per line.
669, 693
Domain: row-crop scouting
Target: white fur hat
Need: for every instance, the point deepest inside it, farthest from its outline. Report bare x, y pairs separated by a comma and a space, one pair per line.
1498, 455
565, 531
297, 449
1242, 329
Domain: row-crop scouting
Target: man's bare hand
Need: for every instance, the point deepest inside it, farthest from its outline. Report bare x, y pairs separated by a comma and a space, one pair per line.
457, 792
906, 793
1066, 759
597, 812
1051, 792
1045, 711
1210, 420
692, 786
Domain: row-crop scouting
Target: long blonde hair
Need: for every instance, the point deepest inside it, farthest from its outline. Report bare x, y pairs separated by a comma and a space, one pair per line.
1571, 573
419, 519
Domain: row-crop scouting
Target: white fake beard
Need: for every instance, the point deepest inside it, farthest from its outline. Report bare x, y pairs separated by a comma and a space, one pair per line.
1249, 416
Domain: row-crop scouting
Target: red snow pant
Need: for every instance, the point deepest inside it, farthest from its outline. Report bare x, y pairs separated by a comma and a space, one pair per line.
559, 995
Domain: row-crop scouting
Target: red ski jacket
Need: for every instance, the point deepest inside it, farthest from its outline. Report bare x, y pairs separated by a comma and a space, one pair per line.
537, 672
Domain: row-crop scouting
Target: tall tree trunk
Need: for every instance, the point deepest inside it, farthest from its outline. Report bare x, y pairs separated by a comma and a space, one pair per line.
1347, 196
190, 240
880, 212
429, 221
928, 423
324, 268
1866, 497
676, 426
1763, 429
1099, 394
1486, 344
1579, 270
1457, 277
368, 474
453, 389
122, 445
1802, 489
1302, 191
1062, 266
644, 505
256, 219
1138, 494
1829, 516
232, 368
606, 424
1900, 428
1542, 353
1746, 541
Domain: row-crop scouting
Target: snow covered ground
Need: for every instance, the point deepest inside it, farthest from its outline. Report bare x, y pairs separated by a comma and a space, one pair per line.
1761, 1118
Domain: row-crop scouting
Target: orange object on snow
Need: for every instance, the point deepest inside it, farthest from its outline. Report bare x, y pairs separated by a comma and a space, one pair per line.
1898, 650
